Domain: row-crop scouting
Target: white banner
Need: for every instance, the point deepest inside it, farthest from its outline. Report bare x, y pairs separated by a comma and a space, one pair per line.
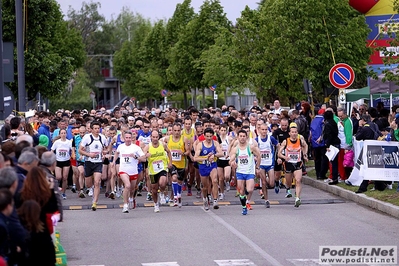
380, 160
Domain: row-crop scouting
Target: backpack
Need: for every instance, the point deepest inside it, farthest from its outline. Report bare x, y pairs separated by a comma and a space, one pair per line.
374, 128
92, 139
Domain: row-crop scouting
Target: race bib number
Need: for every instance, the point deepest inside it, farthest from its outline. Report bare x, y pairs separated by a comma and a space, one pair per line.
266, 157
125, 159
97, 156
158, 166
294, 156
243, 160
62, 153
175, 155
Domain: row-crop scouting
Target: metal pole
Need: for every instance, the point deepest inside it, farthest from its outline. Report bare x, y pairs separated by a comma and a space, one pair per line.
20, 56
1, 65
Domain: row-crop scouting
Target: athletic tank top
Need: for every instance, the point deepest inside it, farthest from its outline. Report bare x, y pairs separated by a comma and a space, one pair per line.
207, 150
245, 161
158, 160
293, 150
178, 160
266, 151
188, 135
225, 146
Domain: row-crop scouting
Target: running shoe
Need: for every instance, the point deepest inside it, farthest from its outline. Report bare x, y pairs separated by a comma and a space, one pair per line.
63, 196
244, 211
262, 196
73, 189
288, 194
215, 204
94, 206
167, 199
179, 203
267, 204
198, 195
156, 208
227, 184
249, 207
82, 194
149, 197
221, 196
162, 199
175, 202
237, 194
297, 202
90, 192
184, 188
276, 187
189, 193
112, 195
125, 208
130, 203
206, 205
107, 194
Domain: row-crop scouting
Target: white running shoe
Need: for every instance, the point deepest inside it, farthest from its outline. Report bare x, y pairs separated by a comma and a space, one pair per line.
227, 185
156, 208
130, 203
90, 192
221, 196
125, 208
162, 199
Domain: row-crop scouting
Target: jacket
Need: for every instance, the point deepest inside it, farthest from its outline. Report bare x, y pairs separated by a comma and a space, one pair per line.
316, 129
349, 159
45, 130
330, 133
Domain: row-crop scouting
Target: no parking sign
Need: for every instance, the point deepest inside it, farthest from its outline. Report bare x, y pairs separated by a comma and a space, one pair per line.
341, 76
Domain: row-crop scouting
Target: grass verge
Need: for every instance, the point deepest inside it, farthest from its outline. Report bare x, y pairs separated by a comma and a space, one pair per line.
388, 195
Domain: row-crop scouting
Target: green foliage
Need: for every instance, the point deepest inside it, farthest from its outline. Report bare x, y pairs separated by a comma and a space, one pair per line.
77, 95
287, 42
52, 50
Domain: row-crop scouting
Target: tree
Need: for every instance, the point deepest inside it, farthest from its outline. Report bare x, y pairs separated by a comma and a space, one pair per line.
186, 68
52, 50
129, 64
77, 94
296, 45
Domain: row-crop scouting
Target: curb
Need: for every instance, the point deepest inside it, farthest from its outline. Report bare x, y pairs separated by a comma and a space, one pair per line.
361, 199
199, 203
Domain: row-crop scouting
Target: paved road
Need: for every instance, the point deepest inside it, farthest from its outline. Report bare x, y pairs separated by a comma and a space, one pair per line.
281, 235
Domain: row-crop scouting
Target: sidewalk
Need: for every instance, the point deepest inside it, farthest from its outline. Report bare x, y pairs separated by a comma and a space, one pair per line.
361, 199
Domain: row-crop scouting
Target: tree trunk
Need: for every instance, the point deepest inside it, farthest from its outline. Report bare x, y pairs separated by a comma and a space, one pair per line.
203, 99
185, 104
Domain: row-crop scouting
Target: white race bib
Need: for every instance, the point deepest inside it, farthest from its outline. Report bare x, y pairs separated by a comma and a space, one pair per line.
158, 166
175, 155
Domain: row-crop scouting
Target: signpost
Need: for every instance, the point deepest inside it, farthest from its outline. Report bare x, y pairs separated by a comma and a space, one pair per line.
341, 76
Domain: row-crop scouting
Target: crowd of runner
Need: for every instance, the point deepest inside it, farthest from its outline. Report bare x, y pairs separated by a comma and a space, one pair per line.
167, 153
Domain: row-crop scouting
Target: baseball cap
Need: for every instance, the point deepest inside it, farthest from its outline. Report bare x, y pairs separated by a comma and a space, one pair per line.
130, 118
293, 124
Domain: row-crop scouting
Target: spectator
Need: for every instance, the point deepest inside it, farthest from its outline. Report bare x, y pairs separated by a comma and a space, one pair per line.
17, 244
330, 137
41, 247
44, 129
39, 188
6, 207
345, 134
319, 147
367, 130
33, 133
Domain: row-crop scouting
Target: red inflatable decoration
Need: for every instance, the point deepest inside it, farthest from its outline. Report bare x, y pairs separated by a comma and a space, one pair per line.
363, 6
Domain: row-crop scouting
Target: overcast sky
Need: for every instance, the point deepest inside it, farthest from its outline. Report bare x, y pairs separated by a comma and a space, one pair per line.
157, 9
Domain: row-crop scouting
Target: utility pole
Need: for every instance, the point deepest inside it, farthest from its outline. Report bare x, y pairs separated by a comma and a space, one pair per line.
1, 65
20, 56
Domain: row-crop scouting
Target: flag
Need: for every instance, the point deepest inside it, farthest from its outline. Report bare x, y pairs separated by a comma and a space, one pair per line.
213, 87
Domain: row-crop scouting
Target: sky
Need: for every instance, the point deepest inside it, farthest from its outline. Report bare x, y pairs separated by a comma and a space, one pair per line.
157, 9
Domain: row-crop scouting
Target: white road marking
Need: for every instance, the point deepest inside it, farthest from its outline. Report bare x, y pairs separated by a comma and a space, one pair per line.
306, 262
234, 262
272, 261
174, 263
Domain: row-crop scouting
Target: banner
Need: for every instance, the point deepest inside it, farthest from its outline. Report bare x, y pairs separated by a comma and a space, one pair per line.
380, 160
